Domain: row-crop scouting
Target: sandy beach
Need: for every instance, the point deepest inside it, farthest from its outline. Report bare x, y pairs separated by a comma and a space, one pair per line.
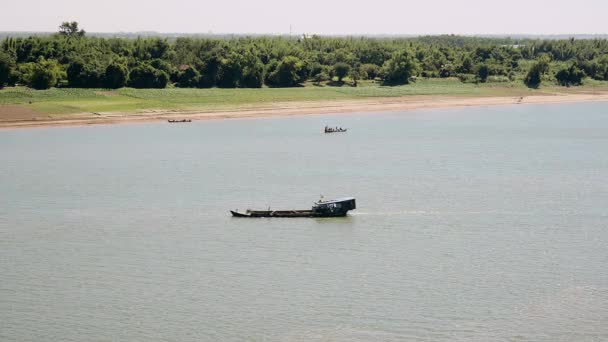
14, 116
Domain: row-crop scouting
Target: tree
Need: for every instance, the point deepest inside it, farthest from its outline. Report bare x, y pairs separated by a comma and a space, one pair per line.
142, 76
570, 76
288, 73
146, 76
161, 80
270, 72
369, 71
246, 61
6, 68
534, 76
355, 76
399, 68
253, 75
158, 49
188, 78
341, 70
74, 73
230, 73
161, 65
320, 77
446, 70
70, 29
116, 76
209, 72
466, 67
43, 74
601, 68
482, 73
82, 75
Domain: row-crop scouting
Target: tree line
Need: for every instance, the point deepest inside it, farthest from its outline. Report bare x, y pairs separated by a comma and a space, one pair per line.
70, 58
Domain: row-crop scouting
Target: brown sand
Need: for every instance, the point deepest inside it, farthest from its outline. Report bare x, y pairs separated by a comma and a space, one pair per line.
16, 116
12, 113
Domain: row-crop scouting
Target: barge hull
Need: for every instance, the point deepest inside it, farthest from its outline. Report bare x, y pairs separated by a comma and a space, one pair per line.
333, 208
285, 213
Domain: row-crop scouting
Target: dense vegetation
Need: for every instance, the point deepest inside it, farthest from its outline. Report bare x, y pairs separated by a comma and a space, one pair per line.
72, 59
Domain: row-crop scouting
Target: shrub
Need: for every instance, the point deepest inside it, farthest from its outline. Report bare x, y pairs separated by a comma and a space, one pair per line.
6, 69
341, 70
116, 76
534, 75
570, 76
230, 73
43, 75
85, 75
146, 76
399, 68
188, 78
288, 73
483, 71
253, 76
320, 77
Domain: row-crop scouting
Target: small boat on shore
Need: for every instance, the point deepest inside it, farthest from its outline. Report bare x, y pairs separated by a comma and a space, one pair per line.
333, 208
335, 129
176, 121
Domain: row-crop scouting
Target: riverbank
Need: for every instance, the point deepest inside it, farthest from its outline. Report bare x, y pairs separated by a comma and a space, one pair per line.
21, 107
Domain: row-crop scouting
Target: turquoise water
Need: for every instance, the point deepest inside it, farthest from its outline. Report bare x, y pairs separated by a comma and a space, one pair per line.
486, 224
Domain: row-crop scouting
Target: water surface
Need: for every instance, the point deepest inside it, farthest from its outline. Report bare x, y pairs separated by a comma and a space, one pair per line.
484, 224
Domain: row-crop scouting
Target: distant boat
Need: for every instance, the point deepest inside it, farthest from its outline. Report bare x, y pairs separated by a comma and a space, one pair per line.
176, 121
333, 208
335, 130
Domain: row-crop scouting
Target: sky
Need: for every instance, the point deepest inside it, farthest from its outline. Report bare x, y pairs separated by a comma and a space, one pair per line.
311, 16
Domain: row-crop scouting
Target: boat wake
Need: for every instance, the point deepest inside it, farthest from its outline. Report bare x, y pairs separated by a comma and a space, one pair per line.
393, 213
430, 212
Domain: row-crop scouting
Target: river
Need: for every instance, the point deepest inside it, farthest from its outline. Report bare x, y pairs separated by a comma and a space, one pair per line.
473, 224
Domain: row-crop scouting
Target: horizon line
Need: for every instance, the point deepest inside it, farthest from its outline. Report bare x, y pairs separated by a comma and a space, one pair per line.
318, 34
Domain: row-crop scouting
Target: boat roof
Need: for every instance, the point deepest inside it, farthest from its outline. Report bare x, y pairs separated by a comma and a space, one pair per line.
341, 199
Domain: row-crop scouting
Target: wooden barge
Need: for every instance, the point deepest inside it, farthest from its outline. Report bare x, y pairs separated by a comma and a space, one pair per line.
335, 130
333, 208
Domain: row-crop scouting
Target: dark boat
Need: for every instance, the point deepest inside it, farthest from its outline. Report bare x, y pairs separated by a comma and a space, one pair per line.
334, 208
176, 121
335, 130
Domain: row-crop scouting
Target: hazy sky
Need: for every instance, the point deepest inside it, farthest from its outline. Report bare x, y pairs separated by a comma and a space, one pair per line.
311, 16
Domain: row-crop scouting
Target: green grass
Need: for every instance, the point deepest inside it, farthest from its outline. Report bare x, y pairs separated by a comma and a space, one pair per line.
68, 101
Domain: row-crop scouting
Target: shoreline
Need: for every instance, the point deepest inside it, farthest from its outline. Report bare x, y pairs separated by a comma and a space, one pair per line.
285, 109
